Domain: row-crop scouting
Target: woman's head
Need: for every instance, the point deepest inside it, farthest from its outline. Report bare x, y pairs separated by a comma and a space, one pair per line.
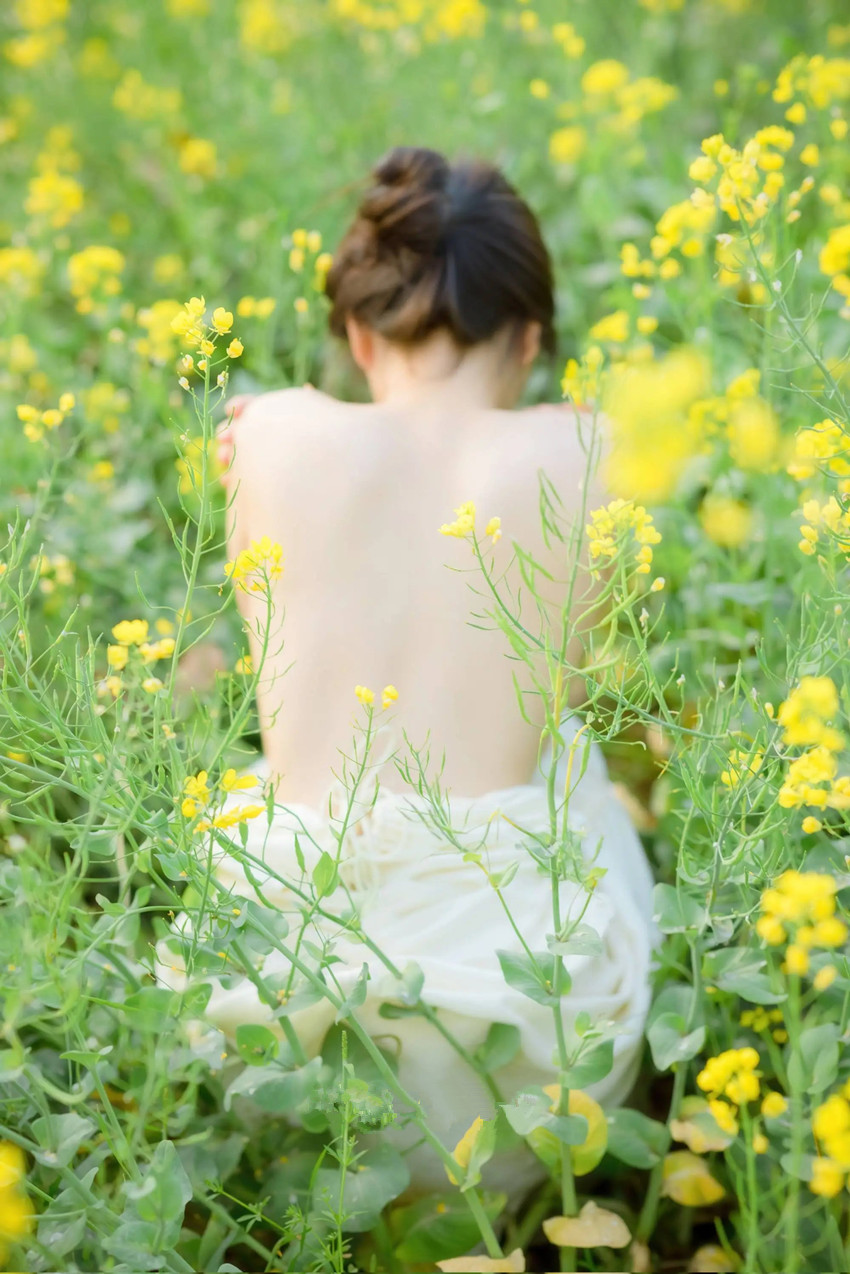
442, 247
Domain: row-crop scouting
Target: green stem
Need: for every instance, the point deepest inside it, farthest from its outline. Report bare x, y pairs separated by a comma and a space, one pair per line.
792, 1207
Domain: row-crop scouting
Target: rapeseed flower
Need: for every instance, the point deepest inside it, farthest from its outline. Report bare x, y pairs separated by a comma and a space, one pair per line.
255, 567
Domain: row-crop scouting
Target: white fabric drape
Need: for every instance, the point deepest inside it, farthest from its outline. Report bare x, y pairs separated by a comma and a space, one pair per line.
421, 903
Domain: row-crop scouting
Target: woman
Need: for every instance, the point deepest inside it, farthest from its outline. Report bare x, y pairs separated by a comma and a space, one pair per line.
443, 288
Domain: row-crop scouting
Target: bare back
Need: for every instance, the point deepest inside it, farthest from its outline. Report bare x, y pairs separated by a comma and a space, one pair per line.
356, 494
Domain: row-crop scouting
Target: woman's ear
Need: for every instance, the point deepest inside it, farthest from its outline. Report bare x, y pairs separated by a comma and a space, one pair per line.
361, 343
530, 347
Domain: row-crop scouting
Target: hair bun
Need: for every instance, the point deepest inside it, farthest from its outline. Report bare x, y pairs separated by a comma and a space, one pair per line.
407, 205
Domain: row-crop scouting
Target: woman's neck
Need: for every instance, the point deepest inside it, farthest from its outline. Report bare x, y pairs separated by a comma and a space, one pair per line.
437, 373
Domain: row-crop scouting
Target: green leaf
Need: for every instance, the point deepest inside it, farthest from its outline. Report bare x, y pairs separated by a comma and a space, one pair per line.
582, 940
635, 1139
520, 973
500, 1047
356, 995
482, 1150
256, 1045
438, 1226
814, 1066
530, 1110
61, 1136
671, 1042
325, 875
279, 1092
741, 971
592, 1066
675, 912
148, 1009
379, 1176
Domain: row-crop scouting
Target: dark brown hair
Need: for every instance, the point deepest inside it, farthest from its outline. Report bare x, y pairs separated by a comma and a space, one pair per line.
440, 245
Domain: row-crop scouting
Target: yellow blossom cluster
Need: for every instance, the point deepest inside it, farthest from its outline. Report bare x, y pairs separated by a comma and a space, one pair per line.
133, 96
198, 157
582, 382
806, 713
94, 273
435, 18
611, 102
389, 694
53, 197
621, 520
829, 518
133, 649
761, 1020
53, 572
41, 31
725, 520
801, 905
16, 1211
195, 333
35, 422
198, 797
819, 80
254, 307
834, 259
741, 766
733, 1076
159, 344
104, 404
648, 406
307, 250
464, 524
254, 568
748, 180
823, 447
21, 270
831, 1128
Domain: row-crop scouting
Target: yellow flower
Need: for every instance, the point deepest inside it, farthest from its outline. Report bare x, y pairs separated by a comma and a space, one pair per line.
687, 1180
462, 1152
726, 522
222, 321
131, 632
773, 1105
231, 782
732, 1074
465, 521
796, 960
493, 529
235, 348
760, 1143
724, 1116
741, 765
806, 711
566, 145
811, 825
151, 685
255, 567
753, 434
196, 786
827, 1178
116, 657
364, 694
613, 327
824, 977
388, 696
198, 157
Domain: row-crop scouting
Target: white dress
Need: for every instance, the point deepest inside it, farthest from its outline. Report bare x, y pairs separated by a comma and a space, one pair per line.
422, 904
